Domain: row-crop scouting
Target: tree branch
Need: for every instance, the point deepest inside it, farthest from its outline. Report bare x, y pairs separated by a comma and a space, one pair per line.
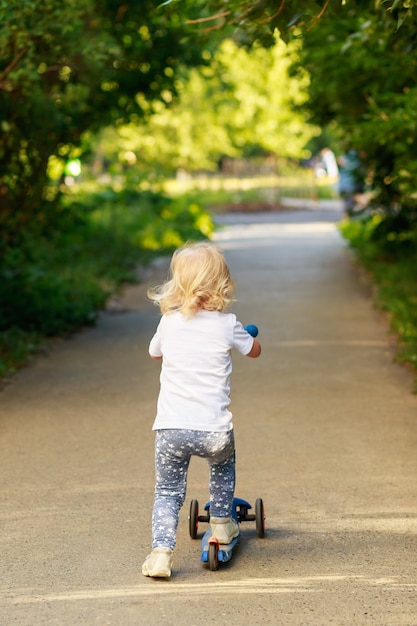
319, 15
13, 63
269, 19
208, 19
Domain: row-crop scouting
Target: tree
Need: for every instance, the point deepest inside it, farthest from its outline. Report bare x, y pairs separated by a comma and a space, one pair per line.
242, 102
359, 81
68, 67
361, 57
257, 19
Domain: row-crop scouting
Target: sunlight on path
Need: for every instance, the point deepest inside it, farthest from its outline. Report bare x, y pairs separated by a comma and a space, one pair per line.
311, 584
255, 231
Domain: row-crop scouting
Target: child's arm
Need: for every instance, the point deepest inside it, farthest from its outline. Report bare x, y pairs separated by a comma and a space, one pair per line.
255, 350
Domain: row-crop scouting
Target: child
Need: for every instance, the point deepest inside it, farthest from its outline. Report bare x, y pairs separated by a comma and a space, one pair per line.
194, 340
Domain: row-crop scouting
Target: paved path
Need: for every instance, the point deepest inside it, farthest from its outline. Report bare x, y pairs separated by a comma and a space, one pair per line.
326, 430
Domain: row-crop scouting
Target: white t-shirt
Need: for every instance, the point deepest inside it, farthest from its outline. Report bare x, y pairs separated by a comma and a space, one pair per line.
196, 368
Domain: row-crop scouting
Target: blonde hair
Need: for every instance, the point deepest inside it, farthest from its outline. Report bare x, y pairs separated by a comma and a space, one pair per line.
199, 279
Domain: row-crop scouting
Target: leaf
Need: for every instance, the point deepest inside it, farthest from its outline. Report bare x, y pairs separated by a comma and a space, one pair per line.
401, 19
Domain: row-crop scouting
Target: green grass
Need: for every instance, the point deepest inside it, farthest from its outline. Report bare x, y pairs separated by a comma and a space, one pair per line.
391, 261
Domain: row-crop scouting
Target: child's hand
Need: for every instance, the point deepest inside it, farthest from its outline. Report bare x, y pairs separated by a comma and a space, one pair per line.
255, 350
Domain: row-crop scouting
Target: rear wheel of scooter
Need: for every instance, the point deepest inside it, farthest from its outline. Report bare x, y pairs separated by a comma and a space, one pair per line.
260, 517
213, 556
193, 519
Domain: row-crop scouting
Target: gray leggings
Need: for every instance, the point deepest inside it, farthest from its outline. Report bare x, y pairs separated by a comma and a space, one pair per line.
173, 451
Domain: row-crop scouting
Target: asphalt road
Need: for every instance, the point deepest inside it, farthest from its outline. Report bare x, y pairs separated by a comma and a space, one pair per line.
326, 429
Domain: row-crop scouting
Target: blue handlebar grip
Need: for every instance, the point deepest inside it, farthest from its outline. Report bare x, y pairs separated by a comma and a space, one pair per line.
252, 329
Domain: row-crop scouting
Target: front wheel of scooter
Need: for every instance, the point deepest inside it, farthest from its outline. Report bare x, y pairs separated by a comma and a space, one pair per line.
213, 556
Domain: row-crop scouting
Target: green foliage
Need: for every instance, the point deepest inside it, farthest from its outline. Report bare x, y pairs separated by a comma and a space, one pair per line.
37, 295
68, 67
255, 17
360, 84
393, 267
354, 52
248, 21
242, 103
16, 346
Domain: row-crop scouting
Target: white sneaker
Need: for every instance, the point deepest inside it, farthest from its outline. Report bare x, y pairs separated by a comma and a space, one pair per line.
224, 529
158, 563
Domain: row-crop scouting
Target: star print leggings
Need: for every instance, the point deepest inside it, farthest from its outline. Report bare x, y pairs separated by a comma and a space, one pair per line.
173, 452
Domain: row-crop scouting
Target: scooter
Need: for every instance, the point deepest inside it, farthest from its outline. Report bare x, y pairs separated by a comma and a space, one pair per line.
213, 552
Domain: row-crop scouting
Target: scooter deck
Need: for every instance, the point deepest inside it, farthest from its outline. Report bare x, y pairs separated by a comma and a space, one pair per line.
225, 549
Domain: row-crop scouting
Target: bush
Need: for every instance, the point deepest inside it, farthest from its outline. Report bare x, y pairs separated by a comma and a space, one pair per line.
386, 248
37, 295
16, 346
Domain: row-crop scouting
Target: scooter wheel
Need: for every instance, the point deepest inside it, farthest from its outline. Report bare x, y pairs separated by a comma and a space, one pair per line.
193, 519
260, 517
213, 557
